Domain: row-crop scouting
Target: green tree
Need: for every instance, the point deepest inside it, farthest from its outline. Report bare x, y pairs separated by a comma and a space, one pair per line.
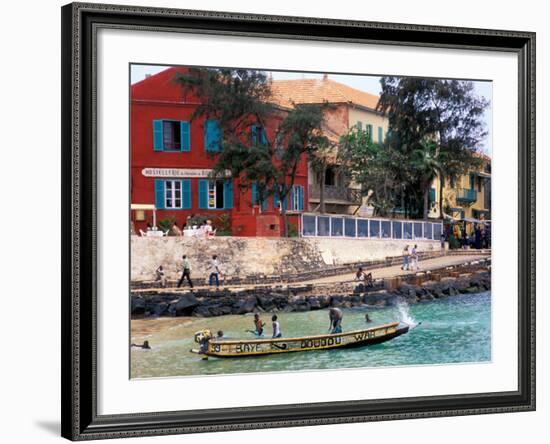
239, 100
446, 113
372, 167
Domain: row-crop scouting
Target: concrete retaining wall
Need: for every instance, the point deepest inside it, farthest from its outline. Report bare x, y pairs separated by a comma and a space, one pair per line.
249, 256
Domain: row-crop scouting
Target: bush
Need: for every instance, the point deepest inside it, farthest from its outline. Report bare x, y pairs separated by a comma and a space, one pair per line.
197, 219
166, 224
292, 230
223, 225
453, 242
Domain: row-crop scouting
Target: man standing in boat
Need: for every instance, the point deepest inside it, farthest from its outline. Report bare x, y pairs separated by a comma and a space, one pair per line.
335, 315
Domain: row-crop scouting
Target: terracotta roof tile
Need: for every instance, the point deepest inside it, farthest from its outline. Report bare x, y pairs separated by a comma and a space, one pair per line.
287, 92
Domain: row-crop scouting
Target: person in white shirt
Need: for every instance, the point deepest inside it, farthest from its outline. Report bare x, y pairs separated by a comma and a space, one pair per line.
214, 271
276, 327
207, 229
186, 273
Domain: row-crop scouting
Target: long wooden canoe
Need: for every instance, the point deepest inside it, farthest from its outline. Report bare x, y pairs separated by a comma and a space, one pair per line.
226, 348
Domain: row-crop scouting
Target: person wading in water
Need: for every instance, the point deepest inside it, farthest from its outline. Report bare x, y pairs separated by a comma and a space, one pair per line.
335, 316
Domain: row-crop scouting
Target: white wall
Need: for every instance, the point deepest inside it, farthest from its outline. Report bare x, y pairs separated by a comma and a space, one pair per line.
30, 188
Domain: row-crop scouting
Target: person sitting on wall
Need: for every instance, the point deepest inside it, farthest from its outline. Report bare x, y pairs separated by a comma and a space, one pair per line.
208, 229
175, 230
160, 276
368, 280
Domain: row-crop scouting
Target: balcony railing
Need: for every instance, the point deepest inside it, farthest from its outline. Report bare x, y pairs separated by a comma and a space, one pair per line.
466, 195
333, 193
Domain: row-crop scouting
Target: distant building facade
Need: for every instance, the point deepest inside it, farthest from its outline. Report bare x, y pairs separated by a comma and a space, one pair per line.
348, 107
467, 197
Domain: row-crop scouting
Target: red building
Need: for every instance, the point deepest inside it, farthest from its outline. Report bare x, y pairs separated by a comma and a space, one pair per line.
172, 157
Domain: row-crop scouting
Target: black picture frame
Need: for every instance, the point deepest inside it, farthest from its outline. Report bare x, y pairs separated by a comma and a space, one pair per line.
79, 174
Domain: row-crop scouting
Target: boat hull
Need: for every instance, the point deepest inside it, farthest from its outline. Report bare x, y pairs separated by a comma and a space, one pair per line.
261, 347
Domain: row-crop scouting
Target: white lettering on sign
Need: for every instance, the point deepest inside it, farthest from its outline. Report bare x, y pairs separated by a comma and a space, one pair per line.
178, 172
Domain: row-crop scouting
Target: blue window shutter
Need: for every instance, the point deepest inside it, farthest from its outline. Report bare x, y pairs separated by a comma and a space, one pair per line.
276, 201
212, 136
300, 198
253, 137
264, 204
203, 194
228, 194
369, 130
254, 194
159, 194
158, 137
380, 134
263, 137
185, 131
186, 194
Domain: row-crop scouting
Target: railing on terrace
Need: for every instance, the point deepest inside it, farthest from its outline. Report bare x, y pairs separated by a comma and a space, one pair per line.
339, 226
336, 193
466, 195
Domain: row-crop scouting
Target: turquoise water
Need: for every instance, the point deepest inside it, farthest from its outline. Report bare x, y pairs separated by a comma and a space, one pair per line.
453, 330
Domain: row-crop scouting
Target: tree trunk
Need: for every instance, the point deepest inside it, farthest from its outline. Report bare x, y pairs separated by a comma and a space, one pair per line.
426, 202
322, 190
285, 219
441, 178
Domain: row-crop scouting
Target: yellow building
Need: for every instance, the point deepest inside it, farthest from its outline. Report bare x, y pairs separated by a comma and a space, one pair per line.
466, 198
348, 107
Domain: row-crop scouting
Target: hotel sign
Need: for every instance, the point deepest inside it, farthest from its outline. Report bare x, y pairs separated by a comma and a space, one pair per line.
178, 172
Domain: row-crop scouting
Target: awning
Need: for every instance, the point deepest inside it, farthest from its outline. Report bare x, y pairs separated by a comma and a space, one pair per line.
482, 174
145, 207
476, 221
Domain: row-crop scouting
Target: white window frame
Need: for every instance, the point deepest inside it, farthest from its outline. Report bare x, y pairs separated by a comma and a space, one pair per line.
214, 183
170, 193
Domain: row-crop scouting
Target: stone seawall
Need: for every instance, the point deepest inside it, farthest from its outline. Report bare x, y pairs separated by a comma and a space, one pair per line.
414, 288
242, 257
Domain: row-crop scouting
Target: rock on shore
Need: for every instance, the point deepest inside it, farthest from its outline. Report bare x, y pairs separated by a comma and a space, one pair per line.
207, 303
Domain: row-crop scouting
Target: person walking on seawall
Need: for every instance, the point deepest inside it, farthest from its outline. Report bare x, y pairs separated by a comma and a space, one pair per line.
276, 327
414, 258
406, 254
335, 316
214, 271
186, 273
160, 276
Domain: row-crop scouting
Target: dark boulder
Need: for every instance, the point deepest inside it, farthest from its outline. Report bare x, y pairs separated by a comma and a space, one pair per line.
244, 306
266, 302
160, 309
138, 305
185, 305
202, 311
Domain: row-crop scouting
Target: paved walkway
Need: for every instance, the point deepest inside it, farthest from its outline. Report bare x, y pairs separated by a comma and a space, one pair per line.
395, 270
377, 273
